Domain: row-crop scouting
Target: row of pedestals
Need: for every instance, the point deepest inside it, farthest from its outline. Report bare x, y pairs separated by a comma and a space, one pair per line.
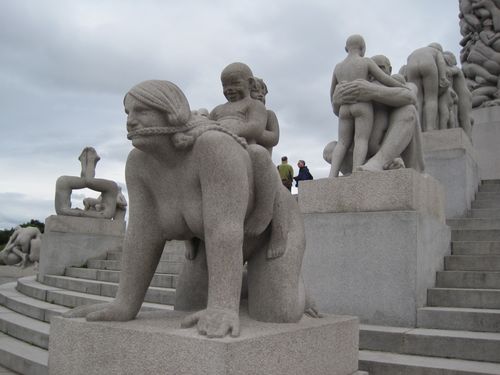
374, 243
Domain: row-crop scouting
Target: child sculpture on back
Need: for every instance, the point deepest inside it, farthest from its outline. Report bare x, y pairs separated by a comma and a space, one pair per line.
355, 119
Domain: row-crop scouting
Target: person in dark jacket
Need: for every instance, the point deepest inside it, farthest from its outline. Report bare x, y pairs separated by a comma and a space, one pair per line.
304, 173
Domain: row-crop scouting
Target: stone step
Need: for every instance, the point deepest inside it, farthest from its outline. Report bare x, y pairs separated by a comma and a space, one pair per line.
166, 256
468, 279
24, 328
162, 280
487, 213
164, 296
115, 265
23, 358
474, 223
487, 195
67, 298
461, 297
381, 363
475, 235
489, 188
475, 247
5, 371
455, 318
476, 346
486, 203
28, 306
472, 263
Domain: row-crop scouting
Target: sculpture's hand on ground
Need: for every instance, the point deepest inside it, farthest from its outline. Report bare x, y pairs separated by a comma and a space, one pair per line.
112, 311
444, 82
214, 323
397, 163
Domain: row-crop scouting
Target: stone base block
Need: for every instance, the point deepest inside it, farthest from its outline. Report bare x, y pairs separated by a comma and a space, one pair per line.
154, 344
486, 140
378, 260
451, 159
402, 189
376, 265
71, 241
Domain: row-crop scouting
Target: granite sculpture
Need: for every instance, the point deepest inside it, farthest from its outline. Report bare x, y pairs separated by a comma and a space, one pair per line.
395, 139
355, 119
108, 189
427, 69
23, 247
95, 204
271, 135
191, 179
480, 55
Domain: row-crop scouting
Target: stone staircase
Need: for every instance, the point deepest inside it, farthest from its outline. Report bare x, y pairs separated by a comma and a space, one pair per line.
26, 306
458, 332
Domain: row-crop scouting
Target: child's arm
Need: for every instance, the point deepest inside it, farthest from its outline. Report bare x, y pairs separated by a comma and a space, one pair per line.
442, 67
381, 76
332, 90
255, 124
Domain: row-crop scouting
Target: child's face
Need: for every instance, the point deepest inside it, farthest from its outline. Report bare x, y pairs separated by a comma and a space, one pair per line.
235, 87
257, 92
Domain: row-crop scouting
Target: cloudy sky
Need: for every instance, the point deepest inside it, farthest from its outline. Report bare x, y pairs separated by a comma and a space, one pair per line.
66, 65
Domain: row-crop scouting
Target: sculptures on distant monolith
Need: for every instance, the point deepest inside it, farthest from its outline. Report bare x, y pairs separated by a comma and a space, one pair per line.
22, 248
480, 55
395, 139
355, 119
191, 179
66, 184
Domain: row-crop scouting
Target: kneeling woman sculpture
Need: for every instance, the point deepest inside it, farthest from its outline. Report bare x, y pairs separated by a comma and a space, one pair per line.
189, 179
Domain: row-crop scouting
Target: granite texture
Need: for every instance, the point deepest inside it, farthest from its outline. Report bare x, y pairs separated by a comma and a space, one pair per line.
394, 190
375, 265
486, 140
154, 344
451, 159
70, 241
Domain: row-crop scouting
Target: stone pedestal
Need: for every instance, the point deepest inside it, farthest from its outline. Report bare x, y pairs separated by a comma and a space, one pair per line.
486, 140
71, 241
374, 243
451, 159
154, 344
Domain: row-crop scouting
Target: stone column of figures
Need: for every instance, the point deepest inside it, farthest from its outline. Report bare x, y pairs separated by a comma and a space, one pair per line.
480, 55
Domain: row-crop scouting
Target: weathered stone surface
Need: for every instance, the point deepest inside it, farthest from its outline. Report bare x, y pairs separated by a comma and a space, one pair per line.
154, 344
486, 140
72, 241
450, 159
395, 190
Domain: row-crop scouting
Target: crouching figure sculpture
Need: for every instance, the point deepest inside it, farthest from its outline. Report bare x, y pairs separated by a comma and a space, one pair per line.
190, 179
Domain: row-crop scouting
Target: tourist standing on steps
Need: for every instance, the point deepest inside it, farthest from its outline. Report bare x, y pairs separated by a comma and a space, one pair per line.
286, 173
304, 173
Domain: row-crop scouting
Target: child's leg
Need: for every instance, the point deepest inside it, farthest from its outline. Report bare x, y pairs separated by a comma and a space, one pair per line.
346, 131
363, 124
444, 110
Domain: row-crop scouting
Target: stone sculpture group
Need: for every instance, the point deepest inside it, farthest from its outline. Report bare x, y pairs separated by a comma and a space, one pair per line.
193, 178
111, 204
23, 247
480, 55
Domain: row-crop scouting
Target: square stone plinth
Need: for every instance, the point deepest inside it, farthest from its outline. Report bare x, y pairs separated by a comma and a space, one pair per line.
374, 241
70, 241
154, 343
450, 159
486, 140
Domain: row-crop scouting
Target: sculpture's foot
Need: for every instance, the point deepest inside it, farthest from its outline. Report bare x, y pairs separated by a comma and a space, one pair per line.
214, 323
102, 312
397, 163
313, 313
371, 166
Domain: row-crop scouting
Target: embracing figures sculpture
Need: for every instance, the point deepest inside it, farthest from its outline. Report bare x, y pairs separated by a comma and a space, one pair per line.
190, 179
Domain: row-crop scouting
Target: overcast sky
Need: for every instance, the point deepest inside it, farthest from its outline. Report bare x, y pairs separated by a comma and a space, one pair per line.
66, 65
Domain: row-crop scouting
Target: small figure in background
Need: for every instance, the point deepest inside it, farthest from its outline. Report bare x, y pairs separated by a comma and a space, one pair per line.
286, 173
304, 173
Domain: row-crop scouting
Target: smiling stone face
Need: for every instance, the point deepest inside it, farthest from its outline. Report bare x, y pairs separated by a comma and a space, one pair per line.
236, 81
